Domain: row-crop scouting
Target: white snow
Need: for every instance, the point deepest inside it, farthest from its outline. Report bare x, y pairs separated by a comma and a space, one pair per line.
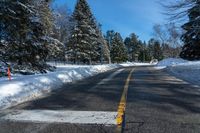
24, 88
189, 71
110, 77
74, 117
144, 64
170, 62
3, 67
137, 64
186, 70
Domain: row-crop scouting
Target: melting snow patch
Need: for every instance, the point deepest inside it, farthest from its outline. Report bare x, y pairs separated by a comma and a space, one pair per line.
74, 117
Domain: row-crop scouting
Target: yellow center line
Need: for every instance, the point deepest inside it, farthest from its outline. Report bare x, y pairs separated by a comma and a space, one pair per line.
122, 104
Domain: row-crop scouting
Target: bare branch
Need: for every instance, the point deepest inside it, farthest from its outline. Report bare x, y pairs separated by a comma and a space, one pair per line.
177, 10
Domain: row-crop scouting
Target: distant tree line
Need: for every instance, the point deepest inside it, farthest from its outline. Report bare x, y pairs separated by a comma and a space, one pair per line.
132, 48
88, 45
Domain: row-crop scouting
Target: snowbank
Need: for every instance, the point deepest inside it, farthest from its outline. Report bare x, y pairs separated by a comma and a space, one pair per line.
186, 70
137, 64
189, 71
171, 62
24, 88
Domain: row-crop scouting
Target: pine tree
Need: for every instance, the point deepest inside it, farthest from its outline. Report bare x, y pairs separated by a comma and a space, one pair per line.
26, 25
109, 37
133, 44
3, 43
158, 51
103, 47
83, 44
143, 52
150, 48
155, 49
128, 44
96, 41
118, 51
191, 49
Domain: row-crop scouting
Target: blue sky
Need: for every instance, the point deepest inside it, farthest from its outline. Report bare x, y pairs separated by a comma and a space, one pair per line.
125, 16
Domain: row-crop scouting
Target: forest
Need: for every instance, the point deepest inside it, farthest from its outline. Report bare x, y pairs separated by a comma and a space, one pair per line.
34, 32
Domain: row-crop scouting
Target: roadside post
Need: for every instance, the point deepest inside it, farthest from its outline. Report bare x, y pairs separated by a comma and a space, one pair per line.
9, 73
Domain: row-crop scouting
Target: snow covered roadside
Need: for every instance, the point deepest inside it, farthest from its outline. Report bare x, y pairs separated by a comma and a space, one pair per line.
170, 62
24, 88
137, 64
186, 70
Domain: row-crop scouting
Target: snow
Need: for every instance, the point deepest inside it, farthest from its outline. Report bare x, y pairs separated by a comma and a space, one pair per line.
28, 87
62, 116
189, 71
11, 11
137, 64
144, 64
110, 77
170, 62
25, 7
3, 67
186, 70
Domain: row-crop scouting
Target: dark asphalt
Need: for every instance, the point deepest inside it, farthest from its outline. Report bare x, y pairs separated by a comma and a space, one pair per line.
157, 103
85, 95
160, 103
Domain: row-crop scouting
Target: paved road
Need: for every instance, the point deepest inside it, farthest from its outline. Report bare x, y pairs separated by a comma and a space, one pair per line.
156, 103
99, 93
160, 103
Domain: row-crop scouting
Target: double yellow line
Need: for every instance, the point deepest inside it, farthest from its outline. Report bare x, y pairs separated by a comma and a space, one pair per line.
122, 104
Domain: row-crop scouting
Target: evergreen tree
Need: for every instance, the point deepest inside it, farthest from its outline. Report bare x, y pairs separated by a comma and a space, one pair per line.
96, 40
118, 51
134, 46
158, 51
3, 44
109, 37
26, 25
155, 49
143, 55
128, 44
191, 49
151, 49
103, 47
83, 44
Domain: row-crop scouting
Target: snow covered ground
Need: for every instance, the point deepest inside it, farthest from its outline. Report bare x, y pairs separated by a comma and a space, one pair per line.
186, 70
2, 68
27, 87
171, 62
62, 116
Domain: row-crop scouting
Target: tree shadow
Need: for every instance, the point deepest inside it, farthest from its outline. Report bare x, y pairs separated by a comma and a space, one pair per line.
84, 95
164, 92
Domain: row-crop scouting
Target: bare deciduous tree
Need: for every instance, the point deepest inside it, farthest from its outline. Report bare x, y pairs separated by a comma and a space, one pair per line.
63, 23
169, 36
187, 10
178, 9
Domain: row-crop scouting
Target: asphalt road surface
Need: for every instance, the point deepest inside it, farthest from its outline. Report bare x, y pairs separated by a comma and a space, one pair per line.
156, 103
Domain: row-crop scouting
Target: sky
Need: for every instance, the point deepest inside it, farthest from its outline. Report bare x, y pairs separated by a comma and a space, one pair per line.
125, 16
